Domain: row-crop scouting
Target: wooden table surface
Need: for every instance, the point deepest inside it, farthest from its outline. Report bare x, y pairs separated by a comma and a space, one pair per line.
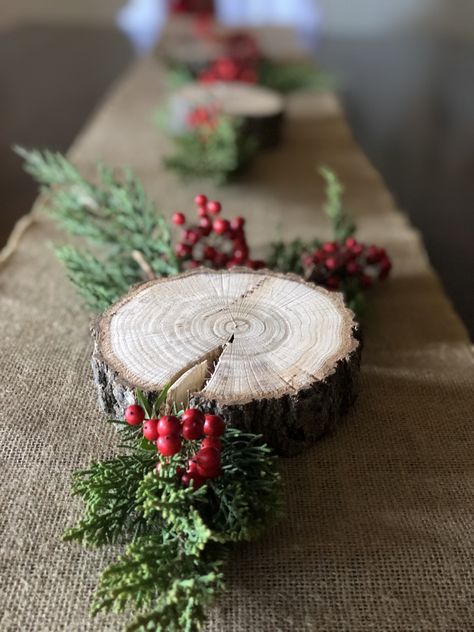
407, 100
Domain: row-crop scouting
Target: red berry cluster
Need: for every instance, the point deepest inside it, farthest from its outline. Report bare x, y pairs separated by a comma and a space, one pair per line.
203, 118
229, 69
213, 241
334, 263
168, 432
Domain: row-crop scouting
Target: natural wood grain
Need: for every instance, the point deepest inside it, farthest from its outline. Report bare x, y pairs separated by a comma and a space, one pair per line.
256, 346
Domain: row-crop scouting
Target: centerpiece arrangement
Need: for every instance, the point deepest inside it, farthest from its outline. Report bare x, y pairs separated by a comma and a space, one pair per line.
207, 359
229, 105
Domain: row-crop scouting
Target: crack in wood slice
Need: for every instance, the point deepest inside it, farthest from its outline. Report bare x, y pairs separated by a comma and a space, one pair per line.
235, 341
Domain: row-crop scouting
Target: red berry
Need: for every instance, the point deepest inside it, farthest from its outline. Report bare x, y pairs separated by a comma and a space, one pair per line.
210, 253
205, 223
385, 268
353, 268
208, 462
202, 211
193, 264
237, 223
330, 246
183, 250
196, 478
191, 236
178, 219
350, 242
220, 259
134, 415
193, 414
319, 255
168, 425
214, 426
372, 254
214, 207
221, 226
192, 466
192, 430
366, 281
168, 445
212, 442
357, 249
150, 429
332, 282
231, 264
240, 254
200, 200
331, 263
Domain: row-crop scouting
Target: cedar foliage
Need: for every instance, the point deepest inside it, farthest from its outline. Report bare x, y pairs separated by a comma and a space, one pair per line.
219, 153
176, 538
116, 219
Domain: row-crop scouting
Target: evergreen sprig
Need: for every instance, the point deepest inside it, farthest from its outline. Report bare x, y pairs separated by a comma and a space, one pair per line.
109, 490
246, 496
284, 77
287, 256
218, 154
171, 568
169, 588
343, 225
128, 241
164, 497
287, 77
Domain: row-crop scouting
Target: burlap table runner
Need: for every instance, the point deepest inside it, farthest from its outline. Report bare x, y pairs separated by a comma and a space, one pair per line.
378, 533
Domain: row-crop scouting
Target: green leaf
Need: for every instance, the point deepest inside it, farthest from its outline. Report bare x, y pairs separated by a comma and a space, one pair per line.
142, 400
159, 401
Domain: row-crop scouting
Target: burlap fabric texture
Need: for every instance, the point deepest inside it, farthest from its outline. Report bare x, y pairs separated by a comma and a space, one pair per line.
379, 528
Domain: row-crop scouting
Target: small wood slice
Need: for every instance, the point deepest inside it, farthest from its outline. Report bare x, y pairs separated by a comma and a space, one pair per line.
260, 108
270, 352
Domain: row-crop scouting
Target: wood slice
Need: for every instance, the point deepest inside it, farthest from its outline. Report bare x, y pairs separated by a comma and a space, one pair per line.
270, 352
260, 108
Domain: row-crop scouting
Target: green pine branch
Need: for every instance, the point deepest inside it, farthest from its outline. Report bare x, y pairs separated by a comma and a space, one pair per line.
164, 497
171, 569
290, 76
343, 225
128, 241
218, 155
109, 490
98, 282
287, 256
170, 589
246, 497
